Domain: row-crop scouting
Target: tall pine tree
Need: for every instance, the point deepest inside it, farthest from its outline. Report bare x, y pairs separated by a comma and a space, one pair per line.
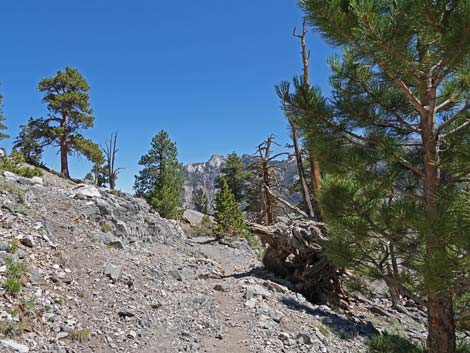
401, 117
67, 99
161, 179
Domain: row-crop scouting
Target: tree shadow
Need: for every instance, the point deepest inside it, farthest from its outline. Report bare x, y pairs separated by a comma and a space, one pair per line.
342, 327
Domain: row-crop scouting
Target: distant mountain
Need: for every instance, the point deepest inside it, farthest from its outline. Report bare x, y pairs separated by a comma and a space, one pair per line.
204, 175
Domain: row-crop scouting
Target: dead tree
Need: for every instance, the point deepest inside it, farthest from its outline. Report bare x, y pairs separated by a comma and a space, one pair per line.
110, 150
267, 175
315, 175
294, 252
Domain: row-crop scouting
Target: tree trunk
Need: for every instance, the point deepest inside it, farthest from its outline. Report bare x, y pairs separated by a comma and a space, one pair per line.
300, 169
64, 164
441, 324
112, 183
441, 335
267, 195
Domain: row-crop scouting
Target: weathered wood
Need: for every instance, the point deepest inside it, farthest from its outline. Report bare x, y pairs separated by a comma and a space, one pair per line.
295, 252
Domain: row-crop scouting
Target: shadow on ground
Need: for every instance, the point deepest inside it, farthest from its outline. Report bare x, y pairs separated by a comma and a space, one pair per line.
344, 328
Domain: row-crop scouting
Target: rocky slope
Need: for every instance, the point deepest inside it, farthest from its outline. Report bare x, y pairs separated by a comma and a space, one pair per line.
204, 175
105, 274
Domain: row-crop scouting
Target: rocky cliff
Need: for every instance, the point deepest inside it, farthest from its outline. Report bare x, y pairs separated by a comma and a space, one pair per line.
86, 270
204, 175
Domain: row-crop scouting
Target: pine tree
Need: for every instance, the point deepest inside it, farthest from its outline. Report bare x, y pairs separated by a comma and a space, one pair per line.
227, 214
161, 179
2, 119
28, 144
201, 202
236, 176
397, 204
67, 99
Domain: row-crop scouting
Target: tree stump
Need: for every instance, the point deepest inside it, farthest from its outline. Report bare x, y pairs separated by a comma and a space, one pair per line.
294, 252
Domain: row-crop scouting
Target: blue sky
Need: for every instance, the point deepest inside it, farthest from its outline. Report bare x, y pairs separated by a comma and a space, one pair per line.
202, 70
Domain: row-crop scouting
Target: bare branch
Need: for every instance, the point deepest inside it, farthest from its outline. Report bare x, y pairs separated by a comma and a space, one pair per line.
454, 118
286, 203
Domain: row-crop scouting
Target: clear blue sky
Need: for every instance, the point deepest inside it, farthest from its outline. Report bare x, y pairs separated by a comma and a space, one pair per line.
202, 70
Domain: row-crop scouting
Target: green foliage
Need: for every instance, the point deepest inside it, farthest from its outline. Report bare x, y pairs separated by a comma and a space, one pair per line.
28, 141
161, 179
13, 286
14, 275
15, 164
228, 216
15, 269
11, 328
236, 176
89, 177
391, 344
2, 119
80, 335
105, 228
201, 203
14, 243
462, 311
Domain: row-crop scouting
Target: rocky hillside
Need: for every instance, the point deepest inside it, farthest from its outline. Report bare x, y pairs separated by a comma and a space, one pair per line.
204, 175
86, 270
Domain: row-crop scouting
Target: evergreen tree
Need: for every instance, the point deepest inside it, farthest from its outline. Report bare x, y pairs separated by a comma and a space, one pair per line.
28, 144
396, 204
236, 176
228, 216
2, 119
201, 203
161, 180
67, 99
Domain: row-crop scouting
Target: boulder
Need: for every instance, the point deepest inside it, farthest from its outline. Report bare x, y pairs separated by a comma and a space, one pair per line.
10, 176
86, 191
14, 346
110, 240
195, 217
113, 271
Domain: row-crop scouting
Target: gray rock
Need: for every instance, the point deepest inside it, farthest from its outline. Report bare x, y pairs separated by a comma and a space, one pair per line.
35, 180
113, 271
4, 246
176, 275
195, 217
85, 191
28, 241
266, 310
10, 176
110, 240
255, 290
14, 346
251, 303
303, 338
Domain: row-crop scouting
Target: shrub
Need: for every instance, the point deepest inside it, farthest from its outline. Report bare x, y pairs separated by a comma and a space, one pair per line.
392, 344
14, 164
80, 335
15, 273
105, 228
11, 328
